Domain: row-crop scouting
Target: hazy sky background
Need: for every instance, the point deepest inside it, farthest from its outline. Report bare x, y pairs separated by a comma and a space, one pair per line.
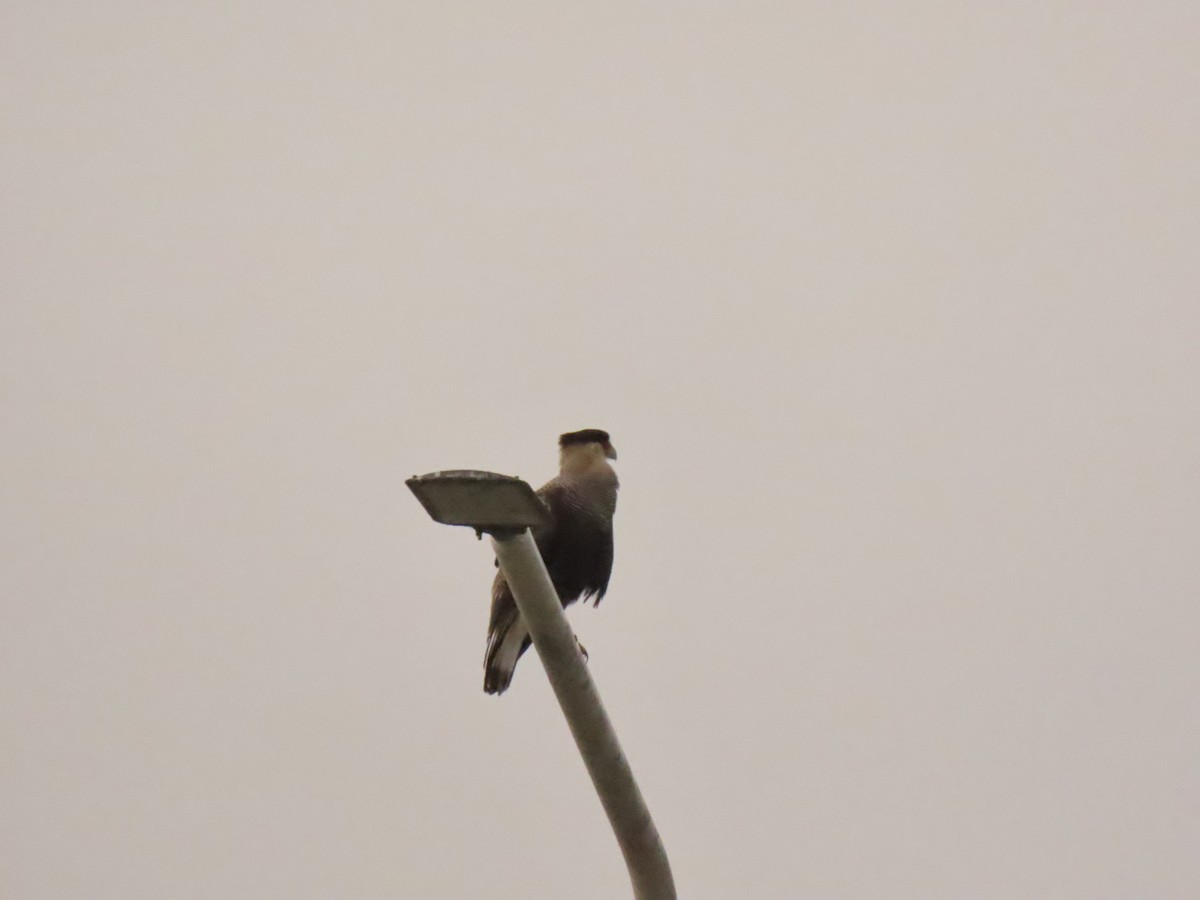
893, 311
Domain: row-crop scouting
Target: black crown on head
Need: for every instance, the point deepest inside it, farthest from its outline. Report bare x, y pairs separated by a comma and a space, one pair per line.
587, 436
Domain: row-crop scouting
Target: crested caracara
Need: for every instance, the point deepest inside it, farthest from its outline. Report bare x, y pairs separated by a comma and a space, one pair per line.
577, 546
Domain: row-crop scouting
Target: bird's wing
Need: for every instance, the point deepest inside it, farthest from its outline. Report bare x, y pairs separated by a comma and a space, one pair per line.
605, 565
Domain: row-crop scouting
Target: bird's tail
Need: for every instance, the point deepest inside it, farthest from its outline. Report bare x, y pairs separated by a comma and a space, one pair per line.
507, 640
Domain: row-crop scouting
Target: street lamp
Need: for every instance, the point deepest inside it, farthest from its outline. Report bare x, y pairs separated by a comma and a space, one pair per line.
506, 507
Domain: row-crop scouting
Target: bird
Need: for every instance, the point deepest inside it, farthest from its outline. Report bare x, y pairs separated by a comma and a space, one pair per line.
576, 546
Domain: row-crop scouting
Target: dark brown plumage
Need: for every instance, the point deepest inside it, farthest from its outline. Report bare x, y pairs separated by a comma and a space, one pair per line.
577, 546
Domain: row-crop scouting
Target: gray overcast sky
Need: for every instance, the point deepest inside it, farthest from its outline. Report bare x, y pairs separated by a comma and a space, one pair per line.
893, 311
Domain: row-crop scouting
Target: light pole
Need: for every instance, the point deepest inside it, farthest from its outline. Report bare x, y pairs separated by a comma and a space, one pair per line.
505, 508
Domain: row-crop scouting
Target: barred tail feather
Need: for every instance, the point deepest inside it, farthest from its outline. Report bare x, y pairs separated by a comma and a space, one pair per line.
507, 641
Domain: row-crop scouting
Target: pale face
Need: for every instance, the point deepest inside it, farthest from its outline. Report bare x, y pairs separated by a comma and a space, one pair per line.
581, 457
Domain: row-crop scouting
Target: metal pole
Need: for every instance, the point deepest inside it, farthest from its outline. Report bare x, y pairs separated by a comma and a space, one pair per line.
593, 732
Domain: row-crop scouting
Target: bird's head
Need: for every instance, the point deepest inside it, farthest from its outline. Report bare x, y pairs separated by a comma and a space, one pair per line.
584, 448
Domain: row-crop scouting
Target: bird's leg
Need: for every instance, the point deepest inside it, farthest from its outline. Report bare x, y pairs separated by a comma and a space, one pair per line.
582, 649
